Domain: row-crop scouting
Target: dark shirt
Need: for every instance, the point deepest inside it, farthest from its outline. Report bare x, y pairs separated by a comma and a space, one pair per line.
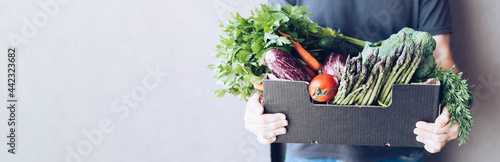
370, 20
375, 20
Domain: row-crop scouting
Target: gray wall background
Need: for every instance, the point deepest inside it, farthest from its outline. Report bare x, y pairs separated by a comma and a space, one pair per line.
474, 47
77, 69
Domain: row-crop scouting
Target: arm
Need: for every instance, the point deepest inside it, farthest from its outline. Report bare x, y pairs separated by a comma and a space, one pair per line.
436, 135
442, 53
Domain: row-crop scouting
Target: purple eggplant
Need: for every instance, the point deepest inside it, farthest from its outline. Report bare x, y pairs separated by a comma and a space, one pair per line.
285, 66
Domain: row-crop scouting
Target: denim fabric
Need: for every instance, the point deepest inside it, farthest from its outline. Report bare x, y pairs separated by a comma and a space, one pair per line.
290, 158
413, 157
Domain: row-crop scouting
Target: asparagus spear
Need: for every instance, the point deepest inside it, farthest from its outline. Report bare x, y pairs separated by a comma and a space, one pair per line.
396, 70
350, 96
388, 101
339, 90
341, 94
418, 54
362, 76
369, 91
406, 69
359, 63
391, 59
380, 81
347, 65
385, 71
393, 70
367, 86
352, 77
373, 76
365, 69
350, 85
393, 80
342, 88
360, 95
351, 73
400, 49
352, 69
389, 63
340, 71
371, 60
355, 96
414, 67
407, 63
377, 58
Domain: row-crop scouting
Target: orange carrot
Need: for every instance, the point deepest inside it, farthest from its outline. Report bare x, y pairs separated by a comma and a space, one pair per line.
311, 72
306, 56
259, 86
283, 34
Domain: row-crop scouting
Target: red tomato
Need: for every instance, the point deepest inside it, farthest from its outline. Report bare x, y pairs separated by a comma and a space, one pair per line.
323, 87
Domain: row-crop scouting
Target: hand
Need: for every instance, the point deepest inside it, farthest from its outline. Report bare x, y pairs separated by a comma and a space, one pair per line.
265, 126
436, 135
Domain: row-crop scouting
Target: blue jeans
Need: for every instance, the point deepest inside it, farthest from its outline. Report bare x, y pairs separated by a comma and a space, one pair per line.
413, 157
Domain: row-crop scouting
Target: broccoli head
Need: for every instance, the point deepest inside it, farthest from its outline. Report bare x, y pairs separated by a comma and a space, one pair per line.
396, 41
426, 67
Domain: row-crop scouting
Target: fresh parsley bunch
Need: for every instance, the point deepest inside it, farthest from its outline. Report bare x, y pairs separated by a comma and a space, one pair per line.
244, 41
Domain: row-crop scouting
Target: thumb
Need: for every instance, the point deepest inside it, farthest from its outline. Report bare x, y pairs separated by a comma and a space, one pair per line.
443, 119
254, 105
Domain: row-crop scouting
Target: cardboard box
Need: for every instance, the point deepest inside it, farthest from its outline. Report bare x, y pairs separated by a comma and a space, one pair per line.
352, 125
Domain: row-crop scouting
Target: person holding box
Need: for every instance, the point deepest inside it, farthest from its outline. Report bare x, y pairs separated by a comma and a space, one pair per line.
372, 21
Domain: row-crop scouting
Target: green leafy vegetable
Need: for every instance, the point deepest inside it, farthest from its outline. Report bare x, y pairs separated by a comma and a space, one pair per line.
244, 41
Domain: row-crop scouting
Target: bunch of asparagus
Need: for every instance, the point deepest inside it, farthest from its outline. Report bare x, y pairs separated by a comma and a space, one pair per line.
362, 83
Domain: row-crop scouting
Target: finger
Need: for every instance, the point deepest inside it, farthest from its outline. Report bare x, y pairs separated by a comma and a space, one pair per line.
434, 147
431, 146
281, 131
271, 135
431, 127
433, 136
273, 125
265, 141
265, 118
443, 118
430, 149
258, 128
431, 143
